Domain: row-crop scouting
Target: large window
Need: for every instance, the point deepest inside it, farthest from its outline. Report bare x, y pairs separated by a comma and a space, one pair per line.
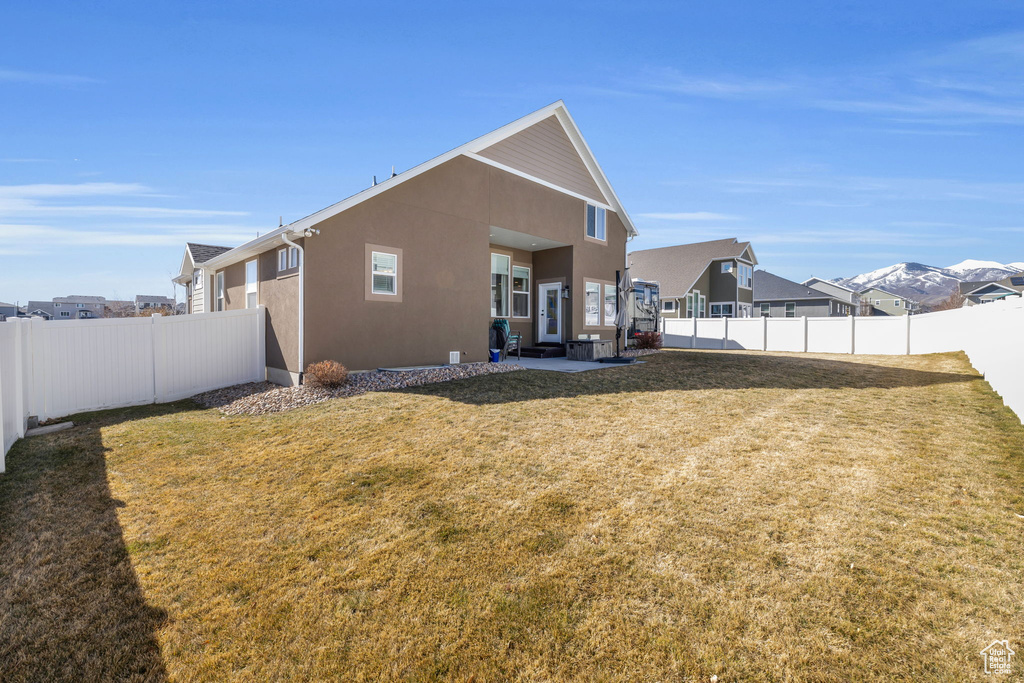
220, 292
721, 310
520, 292
727, 266
252, 296
689, 305
609, 305
595, 222
790, 309
766, 310
385, 273
745, 275
592, 304
702, 308
500, 265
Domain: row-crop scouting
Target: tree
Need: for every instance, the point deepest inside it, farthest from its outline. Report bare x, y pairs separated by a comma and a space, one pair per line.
956, 300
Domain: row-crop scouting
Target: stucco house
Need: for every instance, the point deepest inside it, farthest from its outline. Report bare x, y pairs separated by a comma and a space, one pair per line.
777, 297
701, 280
519, 224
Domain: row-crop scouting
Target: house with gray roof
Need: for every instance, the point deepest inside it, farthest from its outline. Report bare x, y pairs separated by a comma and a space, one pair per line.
702, 280
777, 297
850, 296
74, 307
882, 302
194, 279
8, 311
975, 293
145, 303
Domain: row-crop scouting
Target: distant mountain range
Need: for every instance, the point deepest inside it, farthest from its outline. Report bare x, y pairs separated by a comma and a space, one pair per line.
930, 284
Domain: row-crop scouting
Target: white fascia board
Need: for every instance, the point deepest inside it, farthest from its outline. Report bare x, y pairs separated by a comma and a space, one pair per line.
187, 264
991, 284
261, 244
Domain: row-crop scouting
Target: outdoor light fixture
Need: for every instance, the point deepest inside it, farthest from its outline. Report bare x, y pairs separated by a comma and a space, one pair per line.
565, 292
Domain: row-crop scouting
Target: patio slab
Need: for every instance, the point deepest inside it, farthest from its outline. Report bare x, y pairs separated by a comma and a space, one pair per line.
560, 364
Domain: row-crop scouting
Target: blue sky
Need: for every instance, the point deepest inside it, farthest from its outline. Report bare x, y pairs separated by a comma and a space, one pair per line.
838, 137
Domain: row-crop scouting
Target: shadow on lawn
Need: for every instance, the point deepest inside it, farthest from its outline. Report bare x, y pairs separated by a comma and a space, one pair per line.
689, 371
70, 604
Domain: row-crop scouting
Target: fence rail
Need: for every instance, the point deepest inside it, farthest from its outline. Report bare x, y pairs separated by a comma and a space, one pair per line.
990, 335
50, 369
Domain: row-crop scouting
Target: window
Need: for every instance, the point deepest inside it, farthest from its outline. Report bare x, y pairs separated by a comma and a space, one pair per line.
689, 305
65, 314
592, 304
595, 222
702, 306
293, 257
721, 310
520, 292
610, 301
896, 303
500, 264
80, 305
766, 310
197, 279
282, 260
745, 275
727, 266
252, 296
220, 292
790, 309
878, 302
668, 306
384, 273
57, 305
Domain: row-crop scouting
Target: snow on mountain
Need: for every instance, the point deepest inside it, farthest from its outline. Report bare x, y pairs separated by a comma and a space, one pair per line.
930, 284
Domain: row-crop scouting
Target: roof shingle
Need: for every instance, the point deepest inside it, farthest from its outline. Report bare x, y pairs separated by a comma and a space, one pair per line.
677, 268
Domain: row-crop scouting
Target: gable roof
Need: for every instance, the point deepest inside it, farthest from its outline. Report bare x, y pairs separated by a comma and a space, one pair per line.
201, 253
771, 287
884, 291
991, 286
678, 268
811, 281
480, 149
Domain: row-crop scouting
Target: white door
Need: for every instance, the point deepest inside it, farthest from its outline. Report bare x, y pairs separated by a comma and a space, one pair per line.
550, 308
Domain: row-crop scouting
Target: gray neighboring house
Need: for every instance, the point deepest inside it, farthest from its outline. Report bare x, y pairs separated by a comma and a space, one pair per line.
845, 294
146, 303
882, 302
700, 280
7, 311
975, 293
777, 297
69, 308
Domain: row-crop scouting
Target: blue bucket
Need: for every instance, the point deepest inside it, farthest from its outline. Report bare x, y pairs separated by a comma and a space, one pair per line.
495, 356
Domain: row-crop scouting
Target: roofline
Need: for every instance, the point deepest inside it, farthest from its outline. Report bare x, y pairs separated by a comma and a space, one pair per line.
989, 284
558, 109
829, 282
886, 291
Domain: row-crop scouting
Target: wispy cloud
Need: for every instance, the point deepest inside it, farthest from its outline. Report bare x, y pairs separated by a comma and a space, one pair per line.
15, 76
23, 201
669, 80
35, 238
690, 216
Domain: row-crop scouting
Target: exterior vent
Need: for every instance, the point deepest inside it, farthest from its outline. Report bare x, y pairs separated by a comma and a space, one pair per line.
453, 357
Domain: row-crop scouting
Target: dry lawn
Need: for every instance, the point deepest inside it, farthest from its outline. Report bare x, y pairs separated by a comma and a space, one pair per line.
751, 516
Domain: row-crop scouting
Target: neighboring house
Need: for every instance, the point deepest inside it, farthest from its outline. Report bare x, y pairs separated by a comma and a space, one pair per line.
777, 297
845, 294
195, 280
147, 303
706, 279
8, 311
975, 293
519, 224
69, 308
887, 303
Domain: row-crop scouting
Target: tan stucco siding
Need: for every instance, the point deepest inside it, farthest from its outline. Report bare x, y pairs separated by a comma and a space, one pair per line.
545, 151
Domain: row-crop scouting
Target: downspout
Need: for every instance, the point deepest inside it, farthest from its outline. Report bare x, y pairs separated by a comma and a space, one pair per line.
302, 287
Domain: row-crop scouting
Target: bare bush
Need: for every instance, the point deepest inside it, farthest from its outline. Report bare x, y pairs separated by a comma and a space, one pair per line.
326, 374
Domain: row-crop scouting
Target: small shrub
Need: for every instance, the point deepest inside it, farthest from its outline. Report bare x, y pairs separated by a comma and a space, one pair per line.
647, 340
327, 374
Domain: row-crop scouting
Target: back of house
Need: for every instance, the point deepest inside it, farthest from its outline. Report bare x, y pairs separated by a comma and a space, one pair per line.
520, 224
705, 279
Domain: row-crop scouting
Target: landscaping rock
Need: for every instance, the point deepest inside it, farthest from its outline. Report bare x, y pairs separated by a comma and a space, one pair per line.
260, 398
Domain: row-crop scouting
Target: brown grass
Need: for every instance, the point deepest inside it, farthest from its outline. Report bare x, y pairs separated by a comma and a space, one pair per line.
752, 516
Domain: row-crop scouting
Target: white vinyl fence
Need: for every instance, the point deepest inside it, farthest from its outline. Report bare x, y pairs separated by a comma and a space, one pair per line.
54, 368
990, 334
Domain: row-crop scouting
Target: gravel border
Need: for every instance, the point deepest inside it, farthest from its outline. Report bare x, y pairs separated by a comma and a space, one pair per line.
261, 398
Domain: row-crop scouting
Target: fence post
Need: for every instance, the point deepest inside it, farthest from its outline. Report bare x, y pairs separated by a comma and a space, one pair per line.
40, 368
908, 333
157, 345
764, 333
805, 332
725, 334
19, 376
261, 344
853, 334
693, 337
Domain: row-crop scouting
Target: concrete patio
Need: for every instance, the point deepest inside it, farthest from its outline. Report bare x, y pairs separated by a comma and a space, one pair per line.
560, 364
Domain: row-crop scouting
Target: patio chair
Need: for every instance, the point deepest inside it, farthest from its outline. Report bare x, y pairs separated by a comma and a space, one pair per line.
513, 343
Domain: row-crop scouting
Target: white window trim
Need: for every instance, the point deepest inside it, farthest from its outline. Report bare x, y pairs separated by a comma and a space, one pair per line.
731, 304
745, 273
527, 291
598, 211
393, 276
254, 287
763, 311
727, 267
786, 309
507, 299
668, 305
282, 260
600, 303
197, 279
219, 302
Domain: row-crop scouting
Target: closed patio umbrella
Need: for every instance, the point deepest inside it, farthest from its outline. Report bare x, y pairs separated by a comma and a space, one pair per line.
623, 285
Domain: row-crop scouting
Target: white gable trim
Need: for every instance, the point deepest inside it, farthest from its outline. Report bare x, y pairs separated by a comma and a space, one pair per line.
527, 176
991, 284
557, 109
